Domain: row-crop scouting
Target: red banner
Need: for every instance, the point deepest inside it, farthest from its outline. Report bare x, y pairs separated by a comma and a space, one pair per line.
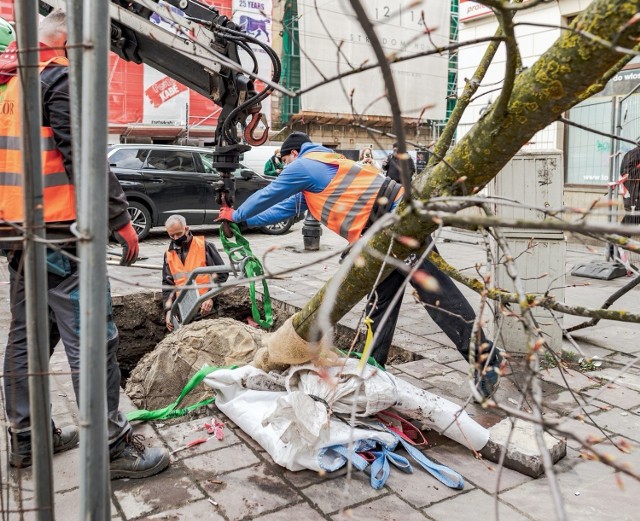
163, 90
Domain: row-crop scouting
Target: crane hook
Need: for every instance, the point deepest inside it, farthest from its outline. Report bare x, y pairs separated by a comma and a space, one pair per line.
251, 128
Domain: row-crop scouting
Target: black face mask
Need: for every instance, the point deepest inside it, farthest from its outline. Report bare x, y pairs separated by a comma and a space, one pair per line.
180, 240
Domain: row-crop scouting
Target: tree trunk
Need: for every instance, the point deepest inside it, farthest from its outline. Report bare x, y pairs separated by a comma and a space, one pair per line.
569, 71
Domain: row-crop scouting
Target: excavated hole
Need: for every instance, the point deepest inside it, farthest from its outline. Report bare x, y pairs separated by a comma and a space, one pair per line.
140, 322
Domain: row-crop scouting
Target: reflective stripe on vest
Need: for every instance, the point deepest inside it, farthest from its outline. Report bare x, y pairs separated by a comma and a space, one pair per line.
196, 258
58, 191
345, 205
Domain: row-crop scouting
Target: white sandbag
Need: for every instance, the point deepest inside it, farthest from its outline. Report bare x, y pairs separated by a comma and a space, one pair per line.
291, 427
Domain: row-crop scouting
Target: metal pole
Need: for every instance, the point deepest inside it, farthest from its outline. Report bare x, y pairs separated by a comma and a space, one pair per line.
92, 221
75, 11
35, 272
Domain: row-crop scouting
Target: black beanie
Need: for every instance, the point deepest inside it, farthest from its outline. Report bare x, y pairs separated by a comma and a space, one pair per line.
294, 141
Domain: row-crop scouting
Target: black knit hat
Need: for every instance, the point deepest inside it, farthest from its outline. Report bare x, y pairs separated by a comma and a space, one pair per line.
294, 141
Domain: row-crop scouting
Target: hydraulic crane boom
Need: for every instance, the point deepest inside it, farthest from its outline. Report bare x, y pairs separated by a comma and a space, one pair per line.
201, 50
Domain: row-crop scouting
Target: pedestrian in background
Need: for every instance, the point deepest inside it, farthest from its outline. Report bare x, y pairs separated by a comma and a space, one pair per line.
630, 191
391, 165
347, 198
187, 252
366, 158
129, 458
274, 165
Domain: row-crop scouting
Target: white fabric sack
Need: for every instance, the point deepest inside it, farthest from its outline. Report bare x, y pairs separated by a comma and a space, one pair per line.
293, 425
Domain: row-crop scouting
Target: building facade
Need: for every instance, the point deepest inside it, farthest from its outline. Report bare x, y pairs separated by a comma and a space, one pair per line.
590, 160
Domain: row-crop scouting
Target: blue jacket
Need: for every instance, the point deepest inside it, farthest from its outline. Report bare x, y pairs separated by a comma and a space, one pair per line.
283, 198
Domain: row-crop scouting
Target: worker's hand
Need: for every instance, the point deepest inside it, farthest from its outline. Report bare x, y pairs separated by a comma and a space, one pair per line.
206, 307
226, 214
128, 239
167, 320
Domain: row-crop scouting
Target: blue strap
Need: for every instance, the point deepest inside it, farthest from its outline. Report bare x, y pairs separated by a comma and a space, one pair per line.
379, 470
356, 460
380, 467
441, 472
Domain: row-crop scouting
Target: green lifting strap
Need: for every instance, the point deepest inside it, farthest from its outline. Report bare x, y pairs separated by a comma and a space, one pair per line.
170, 411
237, 251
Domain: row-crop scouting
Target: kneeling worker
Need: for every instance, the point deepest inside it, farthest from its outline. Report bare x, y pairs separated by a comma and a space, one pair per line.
186, 253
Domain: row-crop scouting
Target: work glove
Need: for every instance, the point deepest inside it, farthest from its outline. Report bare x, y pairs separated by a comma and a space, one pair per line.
128, 239
226, 214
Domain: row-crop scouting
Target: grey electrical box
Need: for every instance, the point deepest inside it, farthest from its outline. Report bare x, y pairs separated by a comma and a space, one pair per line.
535, 179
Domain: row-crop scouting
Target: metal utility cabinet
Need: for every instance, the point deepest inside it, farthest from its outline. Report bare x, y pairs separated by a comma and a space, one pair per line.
536, 179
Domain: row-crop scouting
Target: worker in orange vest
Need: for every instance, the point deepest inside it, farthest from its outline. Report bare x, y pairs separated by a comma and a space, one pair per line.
128, 457
187, 252
347, 197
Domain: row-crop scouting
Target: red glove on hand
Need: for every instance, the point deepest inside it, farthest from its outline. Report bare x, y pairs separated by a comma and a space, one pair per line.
128, 239
226, 214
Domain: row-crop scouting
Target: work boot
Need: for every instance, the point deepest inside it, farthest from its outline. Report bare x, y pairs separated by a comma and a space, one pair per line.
487, 379
131, 459
20, 454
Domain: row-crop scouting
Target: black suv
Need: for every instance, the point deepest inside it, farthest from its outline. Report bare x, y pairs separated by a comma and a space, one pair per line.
161, 180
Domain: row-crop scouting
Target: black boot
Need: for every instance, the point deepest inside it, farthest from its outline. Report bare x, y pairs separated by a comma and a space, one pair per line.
20, 454
131, 459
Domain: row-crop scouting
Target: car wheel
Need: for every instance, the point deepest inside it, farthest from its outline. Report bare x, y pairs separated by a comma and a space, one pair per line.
140, 219
278, 228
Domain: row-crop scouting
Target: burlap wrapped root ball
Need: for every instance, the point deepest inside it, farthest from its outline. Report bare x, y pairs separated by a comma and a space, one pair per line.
284, 347
160, 376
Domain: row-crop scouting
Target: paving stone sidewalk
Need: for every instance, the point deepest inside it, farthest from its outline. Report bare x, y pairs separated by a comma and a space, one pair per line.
235, 479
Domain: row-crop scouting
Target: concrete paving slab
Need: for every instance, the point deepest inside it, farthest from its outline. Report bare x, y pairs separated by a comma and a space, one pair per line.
299, 512
305, 478
168, 490
204, 466
516, 443
624, 336
473, 506
202, 509
250, 492
590, 491
628, 379
420, 488
423, 368
568, 378
477, 472
178, 436
616, 395
621, 422
388, 508
335, 495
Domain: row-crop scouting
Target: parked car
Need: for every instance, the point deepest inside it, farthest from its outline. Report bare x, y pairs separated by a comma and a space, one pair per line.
161, 180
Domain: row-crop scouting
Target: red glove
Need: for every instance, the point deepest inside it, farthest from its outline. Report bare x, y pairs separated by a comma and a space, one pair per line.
128, 239
226, 214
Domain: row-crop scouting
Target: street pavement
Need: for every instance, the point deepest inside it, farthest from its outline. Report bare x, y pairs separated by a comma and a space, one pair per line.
234, 479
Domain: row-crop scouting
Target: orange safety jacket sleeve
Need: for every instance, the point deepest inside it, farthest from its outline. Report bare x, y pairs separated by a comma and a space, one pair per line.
56, 113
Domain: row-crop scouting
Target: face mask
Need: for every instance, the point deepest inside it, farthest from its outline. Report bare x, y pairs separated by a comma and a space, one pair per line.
180, 240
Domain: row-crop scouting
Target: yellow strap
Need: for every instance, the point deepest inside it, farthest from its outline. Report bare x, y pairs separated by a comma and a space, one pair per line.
367, 344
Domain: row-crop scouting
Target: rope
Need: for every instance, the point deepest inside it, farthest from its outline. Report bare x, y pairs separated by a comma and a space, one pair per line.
239, 251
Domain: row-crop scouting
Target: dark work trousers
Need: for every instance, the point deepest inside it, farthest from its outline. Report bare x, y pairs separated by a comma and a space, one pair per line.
64, 323
448, 308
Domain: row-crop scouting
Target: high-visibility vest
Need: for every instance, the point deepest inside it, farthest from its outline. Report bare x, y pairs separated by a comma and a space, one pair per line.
196, 258
58, 191
345, 205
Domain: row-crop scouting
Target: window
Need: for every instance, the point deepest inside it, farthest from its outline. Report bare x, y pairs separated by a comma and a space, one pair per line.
207, 163
172, 160
132, 158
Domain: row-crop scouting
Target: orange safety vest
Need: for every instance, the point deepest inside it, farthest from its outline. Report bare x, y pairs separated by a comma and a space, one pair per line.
59, 193
196, 258
345, 205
